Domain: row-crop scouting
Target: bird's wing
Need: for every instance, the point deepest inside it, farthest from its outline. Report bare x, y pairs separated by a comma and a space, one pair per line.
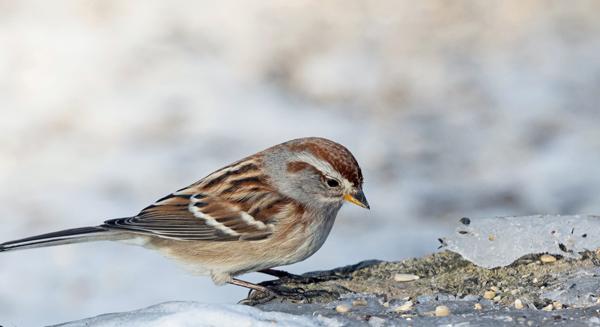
228, 205
195, 217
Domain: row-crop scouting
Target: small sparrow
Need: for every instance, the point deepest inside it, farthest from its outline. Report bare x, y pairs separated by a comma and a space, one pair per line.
273, 208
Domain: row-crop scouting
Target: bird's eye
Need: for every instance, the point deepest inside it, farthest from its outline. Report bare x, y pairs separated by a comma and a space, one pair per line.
332, 182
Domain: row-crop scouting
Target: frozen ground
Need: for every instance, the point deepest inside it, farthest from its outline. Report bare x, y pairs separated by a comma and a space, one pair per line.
182, 314
452, 110
525, 288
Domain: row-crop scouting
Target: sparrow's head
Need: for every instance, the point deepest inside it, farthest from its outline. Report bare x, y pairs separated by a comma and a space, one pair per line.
316, 172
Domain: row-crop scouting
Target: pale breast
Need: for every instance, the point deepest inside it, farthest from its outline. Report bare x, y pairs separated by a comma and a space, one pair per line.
308, 239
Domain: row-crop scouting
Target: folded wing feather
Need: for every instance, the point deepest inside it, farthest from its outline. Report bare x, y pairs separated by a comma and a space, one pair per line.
195, 217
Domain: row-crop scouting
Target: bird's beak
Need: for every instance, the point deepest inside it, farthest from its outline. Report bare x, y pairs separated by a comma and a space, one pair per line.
357, 198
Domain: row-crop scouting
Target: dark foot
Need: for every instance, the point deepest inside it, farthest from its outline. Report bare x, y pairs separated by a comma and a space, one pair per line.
282, 293
258, 297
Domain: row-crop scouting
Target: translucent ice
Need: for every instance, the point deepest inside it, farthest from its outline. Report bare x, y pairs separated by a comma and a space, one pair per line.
496, 242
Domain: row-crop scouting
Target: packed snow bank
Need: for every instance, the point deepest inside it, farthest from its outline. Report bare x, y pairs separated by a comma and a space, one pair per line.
496, 242
195, 314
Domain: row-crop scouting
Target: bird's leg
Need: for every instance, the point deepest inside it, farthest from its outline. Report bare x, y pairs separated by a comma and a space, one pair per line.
269, 295
251, 286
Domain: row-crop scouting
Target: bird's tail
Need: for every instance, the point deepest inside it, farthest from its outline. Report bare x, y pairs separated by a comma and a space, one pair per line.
67, 236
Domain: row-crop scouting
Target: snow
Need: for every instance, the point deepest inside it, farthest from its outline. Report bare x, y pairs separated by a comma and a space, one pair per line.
193, 314
499, 241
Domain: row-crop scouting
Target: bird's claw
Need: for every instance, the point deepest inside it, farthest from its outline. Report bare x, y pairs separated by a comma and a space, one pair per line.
296, 295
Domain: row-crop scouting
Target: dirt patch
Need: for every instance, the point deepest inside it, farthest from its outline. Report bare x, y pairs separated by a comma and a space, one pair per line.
528, 279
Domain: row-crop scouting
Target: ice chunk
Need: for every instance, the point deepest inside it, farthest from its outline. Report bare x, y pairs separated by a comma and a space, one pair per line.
496, 242
195, 314
576, 289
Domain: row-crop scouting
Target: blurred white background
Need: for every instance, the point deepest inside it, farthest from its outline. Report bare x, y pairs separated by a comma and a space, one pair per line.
453, 109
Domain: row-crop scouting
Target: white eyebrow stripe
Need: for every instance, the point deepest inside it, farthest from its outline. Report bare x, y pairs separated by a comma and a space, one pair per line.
323, 166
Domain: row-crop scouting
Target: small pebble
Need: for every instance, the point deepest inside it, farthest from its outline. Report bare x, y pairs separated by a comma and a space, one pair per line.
494, 288
405, 277
557, 305
514, 292
477, 306
359, 302
549, 307
442, 311
343, 308
546, 258
497, 298
518, 304
489, 295
386, 304
535, 280
407, 306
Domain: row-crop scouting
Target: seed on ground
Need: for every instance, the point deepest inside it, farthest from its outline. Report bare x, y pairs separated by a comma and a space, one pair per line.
442, 311
359, 302
489, 295
405, 277
407, 306
546, 258
519, 304
343, 308
549, 307
477, 306
557, 305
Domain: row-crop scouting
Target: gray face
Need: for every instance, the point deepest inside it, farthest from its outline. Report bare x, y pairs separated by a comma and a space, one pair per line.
307, 179
317, 186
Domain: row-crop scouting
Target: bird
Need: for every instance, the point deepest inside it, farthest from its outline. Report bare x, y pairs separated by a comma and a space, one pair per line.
270, 209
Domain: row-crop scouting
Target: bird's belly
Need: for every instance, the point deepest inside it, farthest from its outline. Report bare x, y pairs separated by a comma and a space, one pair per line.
224, 259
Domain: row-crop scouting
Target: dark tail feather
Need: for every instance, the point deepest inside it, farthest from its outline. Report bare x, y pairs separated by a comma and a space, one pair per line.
67, 236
